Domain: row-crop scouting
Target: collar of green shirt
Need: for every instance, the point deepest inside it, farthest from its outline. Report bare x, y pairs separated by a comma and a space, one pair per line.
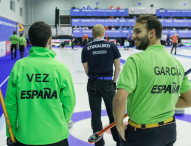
156, 47
43, 52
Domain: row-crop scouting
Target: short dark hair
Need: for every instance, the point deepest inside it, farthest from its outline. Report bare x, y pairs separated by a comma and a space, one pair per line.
14, 32
152, 23
39, 33
21, 34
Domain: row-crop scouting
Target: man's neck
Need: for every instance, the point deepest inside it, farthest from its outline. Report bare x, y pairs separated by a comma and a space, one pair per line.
99, 38
156, 42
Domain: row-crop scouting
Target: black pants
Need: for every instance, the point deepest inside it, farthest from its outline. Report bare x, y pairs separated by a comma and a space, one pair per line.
163, 42
21, 49
159, 136
61, 143
174, 46
105, 89
15, 54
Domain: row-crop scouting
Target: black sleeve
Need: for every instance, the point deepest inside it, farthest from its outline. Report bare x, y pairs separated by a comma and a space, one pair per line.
116, 53
83, 55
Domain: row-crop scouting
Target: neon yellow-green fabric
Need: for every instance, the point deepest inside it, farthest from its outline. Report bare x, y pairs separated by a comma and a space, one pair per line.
154, 79
14, 39
37, 86
22, 41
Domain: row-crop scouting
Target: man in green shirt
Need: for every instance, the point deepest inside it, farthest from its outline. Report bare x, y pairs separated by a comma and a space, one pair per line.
22, 45
40, 96
150, 82
14, 41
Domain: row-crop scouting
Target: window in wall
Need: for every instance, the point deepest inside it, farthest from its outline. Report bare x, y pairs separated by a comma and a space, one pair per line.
21, 12
12, 5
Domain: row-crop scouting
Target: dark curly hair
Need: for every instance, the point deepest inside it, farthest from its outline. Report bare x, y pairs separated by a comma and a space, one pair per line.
39, 33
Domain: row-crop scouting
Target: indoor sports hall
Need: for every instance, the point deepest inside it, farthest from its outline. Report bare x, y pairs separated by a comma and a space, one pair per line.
77, 17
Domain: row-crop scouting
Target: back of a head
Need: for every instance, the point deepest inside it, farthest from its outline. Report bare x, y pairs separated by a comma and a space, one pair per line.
152, 23
39, 33
21, 34
98, 30
14, 32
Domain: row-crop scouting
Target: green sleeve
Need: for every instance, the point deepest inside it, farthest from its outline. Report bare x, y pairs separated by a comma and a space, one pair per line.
67, 96
128, 77
11, 101
185, 86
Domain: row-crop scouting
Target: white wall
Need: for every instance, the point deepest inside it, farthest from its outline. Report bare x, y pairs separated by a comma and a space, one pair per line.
6, 12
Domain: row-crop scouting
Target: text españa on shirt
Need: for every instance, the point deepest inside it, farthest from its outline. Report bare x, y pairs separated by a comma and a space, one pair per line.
43, 94
174, 71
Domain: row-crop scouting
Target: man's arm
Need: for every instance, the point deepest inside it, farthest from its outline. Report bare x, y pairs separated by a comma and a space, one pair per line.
86, 67
119, 106
184, 100
117, 69
67, 96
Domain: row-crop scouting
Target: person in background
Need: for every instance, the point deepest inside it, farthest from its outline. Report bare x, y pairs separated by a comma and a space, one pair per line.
118, 7
168, 39
111, 17
174, 40
14, 42
112, 28
85, 39
72, 41
126, 45
130, 28
85, 28
73, 7
88, 7
96, 7
163, 39
22, 45
106, 28
128, 38
170, 17
80, 28
120, 28
62, 44
111, 7
75, 28
151, 5
107, 38
84, 7
125, 28
162, 16
134, 17
122, 17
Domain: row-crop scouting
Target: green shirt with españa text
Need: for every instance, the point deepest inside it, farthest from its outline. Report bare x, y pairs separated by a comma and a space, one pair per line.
40, 98
22, 41
154, 79
14, 39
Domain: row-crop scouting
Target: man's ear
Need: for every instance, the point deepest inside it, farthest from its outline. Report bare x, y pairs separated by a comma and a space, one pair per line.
50, 40
152, 33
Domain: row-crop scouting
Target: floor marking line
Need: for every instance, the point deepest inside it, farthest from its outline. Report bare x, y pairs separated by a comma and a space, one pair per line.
4, 81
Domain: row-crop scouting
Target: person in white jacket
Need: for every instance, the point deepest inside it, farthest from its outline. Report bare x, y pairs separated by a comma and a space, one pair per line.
126, 45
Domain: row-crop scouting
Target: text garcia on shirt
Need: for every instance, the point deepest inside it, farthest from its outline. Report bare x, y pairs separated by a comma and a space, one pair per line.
174, 71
